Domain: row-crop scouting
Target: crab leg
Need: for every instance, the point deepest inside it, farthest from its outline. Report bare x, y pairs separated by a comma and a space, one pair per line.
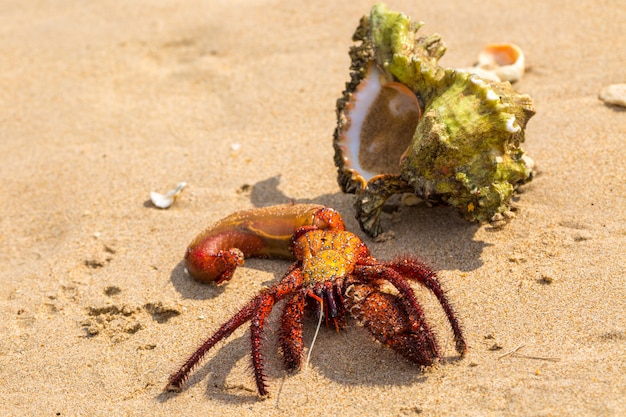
290, 334
418, 271
260, 232
177, 379
256, 311
264, 305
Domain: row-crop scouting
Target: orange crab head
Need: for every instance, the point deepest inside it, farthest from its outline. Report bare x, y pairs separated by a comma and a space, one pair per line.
327, 254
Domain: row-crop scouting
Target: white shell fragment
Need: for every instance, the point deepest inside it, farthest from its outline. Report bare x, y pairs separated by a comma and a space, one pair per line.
500, 62
164, 201
614, 94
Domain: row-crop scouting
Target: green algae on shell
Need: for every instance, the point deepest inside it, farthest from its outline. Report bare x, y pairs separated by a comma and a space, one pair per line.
406, 124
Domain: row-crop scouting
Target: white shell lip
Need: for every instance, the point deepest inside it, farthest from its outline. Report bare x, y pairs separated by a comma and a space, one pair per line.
362, 100
164, 201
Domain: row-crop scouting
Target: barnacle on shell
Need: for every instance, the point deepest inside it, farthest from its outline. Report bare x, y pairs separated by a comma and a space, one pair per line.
405, 124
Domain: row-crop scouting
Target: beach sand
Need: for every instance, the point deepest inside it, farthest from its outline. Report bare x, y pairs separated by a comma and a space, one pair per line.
104, 101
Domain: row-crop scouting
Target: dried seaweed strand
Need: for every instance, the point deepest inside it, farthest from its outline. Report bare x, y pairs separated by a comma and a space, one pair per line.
514, 353
319, 324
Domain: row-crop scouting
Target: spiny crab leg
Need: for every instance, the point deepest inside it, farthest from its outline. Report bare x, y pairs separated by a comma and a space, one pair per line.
265, 304
177, 379
256, 311
418, 271
290, 331
214, 255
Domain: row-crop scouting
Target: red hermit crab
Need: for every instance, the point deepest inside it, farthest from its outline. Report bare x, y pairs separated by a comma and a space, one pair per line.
333, 271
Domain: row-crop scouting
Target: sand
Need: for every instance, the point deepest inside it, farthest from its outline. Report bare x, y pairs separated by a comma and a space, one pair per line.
104, 101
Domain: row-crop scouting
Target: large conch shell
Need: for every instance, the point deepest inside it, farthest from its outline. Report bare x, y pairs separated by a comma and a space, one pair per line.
405, 124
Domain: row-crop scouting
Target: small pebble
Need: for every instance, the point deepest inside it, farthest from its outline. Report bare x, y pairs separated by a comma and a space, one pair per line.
614, 94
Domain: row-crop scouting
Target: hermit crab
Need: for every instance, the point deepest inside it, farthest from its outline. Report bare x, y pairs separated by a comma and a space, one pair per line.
333, 274
407, 125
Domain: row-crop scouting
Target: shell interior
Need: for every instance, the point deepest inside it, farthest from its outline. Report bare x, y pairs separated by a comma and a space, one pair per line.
382, 118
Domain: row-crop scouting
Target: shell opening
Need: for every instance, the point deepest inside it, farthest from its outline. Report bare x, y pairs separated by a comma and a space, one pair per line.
499, 54
505, 60
382, 118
